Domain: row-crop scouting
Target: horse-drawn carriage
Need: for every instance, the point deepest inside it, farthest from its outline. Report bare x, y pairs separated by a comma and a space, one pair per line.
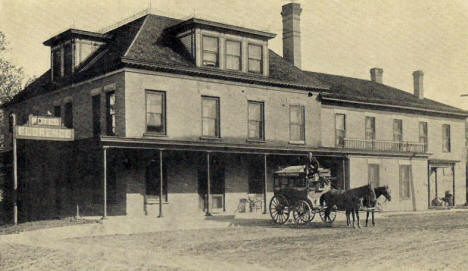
297, 191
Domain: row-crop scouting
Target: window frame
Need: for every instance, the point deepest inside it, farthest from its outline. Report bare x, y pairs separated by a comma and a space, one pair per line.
446, 139
337, 130
226, 54
250, 58
373, 128
397, 133
57, 63
110, 118
373, 165
262, 120
217, 65
67, 59
406, 196
163, 111
425, 136
217, 119
303, 132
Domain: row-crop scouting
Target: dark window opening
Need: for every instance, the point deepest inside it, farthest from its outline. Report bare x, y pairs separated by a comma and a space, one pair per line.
68, 115
67, 59
57, 64
96, 107
110, 113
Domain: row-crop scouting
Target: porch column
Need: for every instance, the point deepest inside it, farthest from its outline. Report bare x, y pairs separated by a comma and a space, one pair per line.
265, 184
429, 172
160, 181
105, 181
436, 192
344, 174
208, 179
453, 176
15, 172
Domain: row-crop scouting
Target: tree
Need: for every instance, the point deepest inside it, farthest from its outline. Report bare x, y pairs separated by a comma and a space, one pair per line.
11, 77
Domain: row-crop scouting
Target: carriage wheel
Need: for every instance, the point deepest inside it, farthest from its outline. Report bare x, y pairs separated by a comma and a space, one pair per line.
279, 210
302, 212
331, 217
312, 211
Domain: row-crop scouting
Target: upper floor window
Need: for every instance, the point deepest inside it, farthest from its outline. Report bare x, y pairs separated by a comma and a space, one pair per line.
68, 119
296, 123
233, 55
256, 121
210, 51
210, 116
57, 63
156, 112
110, 113
423, 133
255, 58
340, 129
446, 146
397, 130
370, 128
67, 59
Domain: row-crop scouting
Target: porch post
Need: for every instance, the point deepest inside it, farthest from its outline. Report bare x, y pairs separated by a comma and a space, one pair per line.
429, 172
208, 179
436, 192
265, 184
160, 181
453, 176
15, 173
344, 174
105, 181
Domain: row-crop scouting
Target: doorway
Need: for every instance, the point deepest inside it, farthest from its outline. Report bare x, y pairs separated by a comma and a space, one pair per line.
217, 183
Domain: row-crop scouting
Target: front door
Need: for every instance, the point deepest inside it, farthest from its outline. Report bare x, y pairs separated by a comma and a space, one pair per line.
217, 184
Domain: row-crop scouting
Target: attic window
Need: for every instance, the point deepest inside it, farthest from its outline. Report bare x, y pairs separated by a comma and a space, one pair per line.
57, 63
210, 51
67, 58
255, 58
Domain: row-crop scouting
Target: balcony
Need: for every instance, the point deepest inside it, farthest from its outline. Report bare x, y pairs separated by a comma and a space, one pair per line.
381, 145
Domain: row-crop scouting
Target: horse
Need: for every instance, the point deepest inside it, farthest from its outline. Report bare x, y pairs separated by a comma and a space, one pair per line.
367, 202
348, 200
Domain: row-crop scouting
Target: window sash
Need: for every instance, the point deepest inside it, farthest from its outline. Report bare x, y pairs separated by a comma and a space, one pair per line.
370, 128
110, 118
256, 120
373, 174
405, 178
446, 144
156, 112
296, 123
210, 116
397, 130
210, 51
423, 133
233, 55
340, 129
255, 56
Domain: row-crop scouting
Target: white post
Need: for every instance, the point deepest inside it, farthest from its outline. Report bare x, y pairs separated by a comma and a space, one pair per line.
105, 182
15, 173
160, 182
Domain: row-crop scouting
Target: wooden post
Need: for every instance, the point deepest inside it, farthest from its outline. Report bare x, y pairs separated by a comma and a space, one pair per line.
453, 176
436, 188
344, 174
160, 181
105, 181
208, 179
15, 173
429, 172
265, 184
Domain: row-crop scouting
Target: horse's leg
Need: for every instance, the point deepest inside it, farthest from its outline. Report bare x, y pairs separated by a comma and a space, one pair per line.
347, 218
357, 216
367, 216
373, 222
352, 211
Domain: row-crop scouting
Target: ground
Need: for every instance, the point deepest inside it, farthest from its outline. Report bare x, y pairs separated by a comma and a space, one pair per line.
434, 241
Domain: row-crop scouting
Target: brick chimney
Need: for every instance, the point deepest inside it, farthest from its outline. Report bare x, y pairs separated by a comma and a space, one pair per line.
376, 75
418, 77
291, 14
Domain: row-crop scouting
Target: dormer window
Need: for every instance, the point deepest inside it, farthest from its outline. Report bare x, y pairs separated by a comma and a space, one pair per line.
210, 51
233, 55
255, 58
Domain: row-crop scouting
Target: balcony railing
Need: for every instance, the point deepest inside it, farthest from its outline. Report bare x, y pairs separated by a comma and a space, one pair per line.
381, 145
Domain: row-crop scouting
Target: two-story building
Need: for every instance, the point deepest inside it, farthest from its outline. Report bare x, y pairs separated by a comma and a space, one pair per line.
202, 113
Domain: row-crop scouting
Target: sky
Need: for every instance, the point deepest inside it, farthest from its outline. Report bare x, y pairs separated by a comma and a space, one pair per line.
338, 37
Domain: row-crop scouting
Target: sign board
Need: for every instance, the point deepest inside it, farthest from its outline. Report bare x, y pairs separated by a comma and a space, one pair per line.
44, 128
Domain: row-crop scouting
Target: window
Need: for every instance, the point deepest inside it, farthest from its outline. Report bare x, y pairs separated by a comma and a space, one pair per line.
255, 58
340, 129
446, 138
405, 179
67, 59
210, 51
96, 107
57, 111
397, 130
256, 120
210, 116
233, 55
373, 171
68, 120
156, 112
423, 134
110, 113
296, 123
57, 64
370, 128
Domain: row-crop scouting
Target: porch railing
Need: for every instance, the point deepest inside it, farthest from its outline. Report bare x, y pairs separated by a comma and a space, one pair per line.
381, 145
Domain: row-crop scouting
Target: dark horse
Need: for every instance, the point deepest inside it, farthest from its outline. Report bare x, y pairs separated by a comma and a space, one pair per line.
348, 200
367, 202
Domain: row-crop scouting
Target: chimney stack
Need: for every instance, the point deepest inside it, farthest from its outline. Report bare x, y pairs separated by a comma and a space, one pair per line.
376, 75
291, 14
418, 77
